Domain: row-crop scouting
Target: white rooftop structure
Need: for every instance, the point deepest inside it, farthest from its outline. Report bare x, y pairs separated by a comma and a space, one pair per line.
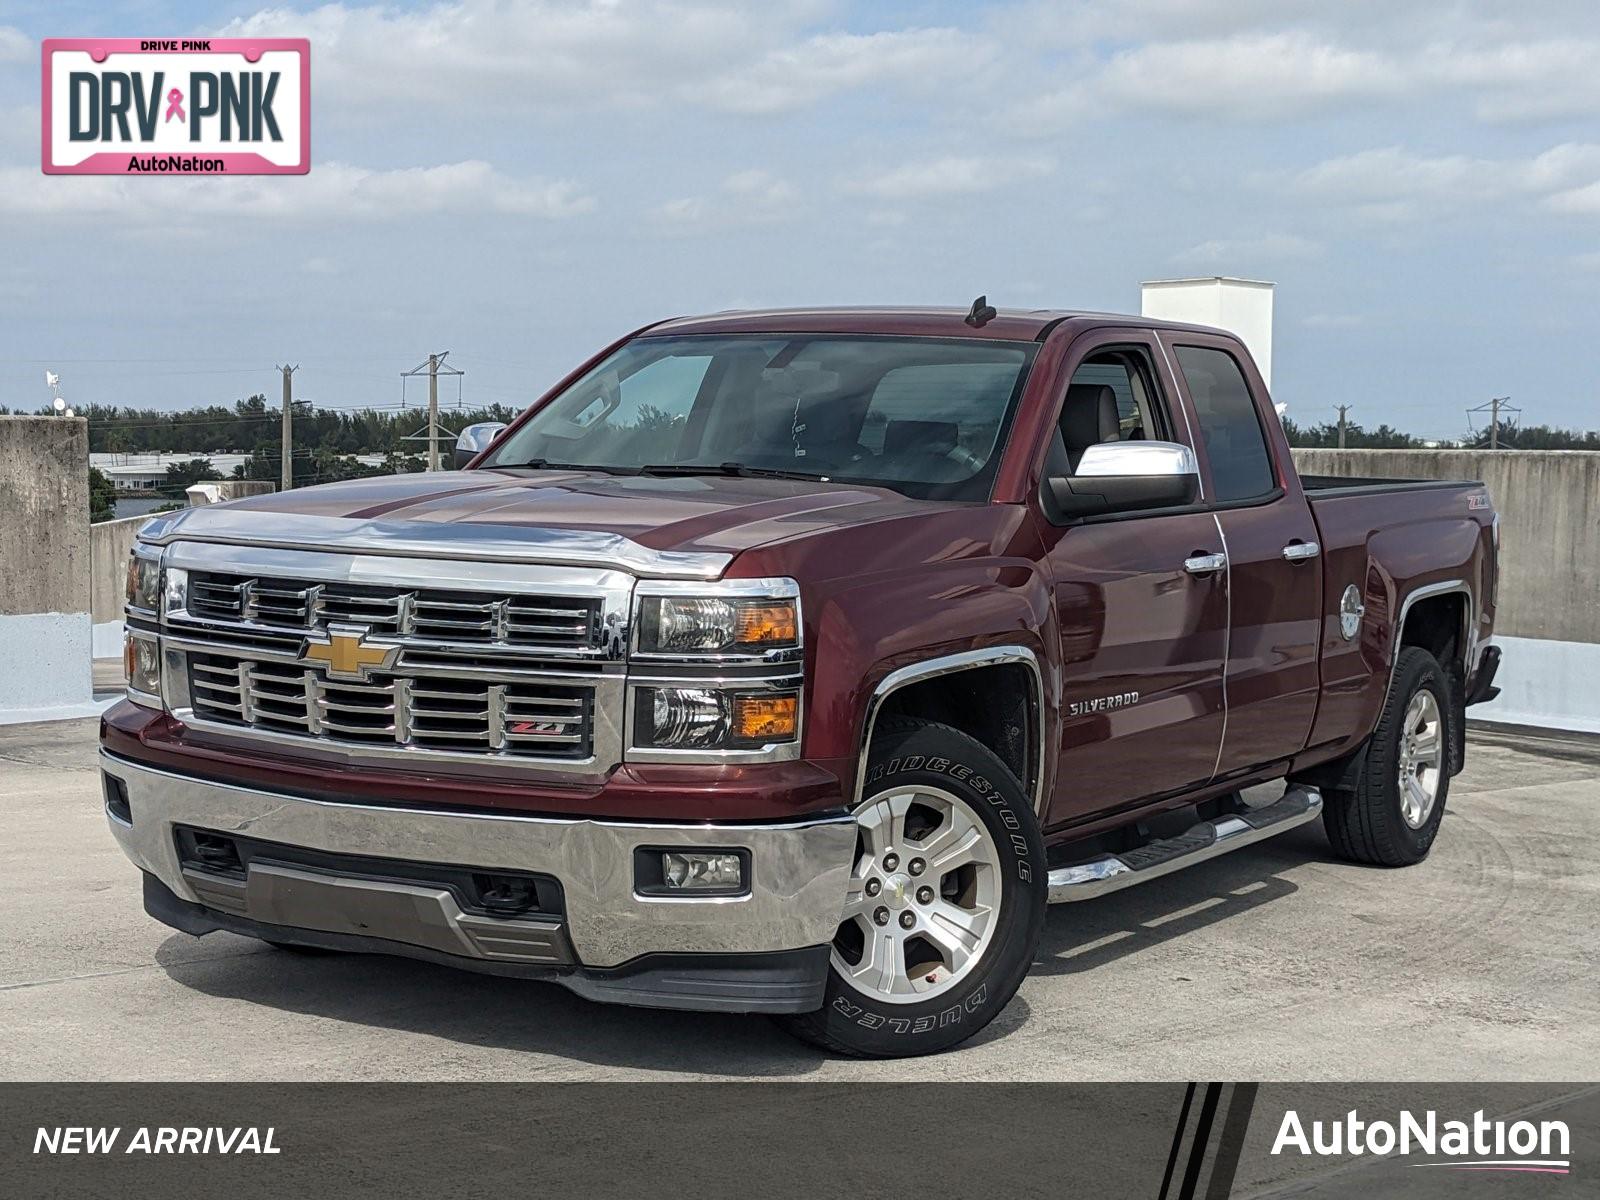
1241, 306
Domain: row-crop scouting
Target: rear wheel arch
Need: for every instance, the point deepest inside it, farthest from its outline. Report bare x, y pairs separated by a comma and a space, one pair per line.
994, 695
1439, 618
1436, 621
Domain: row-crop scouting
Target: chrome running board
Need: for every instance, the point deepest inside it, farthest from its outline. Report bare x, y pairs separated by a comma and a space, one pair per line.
1208, 839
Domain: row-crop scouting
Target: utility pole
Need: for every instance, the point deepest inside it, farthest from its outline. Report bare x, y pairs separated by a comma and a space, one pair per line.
1343, 408
287, 465
433, 368
433, 412
1495, 407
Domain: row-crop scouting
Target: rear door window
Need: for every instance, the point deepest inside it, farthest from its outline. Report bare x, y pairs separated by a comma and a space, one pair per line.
1241, 467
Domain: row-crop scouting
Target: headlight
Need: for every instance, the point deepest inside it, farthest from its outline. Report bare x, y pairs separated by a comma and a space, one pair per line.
717, 624
690, 718
144, 581
141, 661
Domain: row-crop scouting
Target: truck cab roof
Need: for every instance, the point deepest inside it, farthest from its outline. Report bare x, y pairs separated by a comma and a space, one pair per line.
1010, 324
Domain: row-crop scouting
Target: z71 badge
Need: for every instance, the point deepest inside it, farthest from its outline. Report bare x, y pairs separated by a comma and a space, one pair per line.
170, 106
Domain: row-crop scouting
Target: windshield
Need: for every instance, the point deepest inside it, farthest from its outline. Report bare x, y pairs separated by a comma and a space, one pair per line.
923, 416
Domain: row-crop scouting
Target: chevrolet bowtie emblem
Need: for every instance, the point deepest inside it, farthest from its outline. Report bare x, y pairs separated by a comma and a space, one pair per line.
347, 653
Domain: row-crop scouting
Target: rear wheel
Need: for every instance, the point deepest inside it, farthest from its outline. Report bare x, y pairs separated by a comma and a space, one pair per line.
1392, 815
945, 904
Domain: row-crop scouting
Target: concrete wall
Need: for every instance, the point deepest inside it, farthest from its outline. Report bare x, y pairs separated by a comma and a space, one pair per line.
44, 514
109, 545
1548, 608
45, 626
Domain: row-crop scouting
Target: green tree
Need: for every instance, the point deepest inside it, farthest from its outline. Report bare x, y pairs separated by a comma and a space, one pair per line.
1534, 437
1356, 436
181, 475
102, 497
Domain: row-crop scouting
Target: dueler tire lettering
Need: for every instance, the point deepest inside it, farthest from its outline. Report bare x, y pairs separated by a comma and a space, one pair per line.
850, 1021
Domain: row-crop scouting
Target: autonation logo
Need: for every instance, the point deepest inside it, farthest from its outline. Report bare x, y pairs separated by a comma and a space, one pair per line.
176, 106
1480, 1144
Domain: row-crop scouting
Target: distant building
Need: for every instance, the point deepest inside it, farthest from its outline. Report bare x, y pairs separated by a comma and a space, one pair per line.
148, 472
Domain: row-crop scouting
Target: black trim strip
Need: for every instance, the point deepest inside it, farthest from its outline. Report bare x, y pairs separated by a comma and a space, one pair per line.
1201, 1143
1230, 1146
1177, 1139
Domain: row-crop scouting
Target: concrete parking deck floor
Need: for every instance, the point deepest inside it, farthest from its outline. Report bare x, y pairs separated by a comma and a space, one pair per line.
1274, 963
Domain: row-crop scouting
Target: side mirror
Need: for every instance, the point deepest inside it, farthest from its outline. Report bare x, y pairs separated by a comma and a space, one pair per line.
475, 439
1126, 477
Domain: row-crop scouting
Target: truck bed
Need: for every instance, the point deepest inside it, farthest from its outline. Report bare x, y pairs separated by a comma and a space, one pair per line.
1319, 485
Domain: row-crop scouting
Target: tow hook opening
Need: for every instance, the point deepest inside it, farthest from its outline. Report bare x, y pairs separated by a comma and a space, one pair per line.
116, 792
506, 895
210, 852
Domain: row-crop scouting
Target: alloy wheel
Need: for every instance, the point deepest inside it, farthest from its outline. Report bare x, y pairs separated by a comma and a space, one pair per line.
924, 896
1421, 759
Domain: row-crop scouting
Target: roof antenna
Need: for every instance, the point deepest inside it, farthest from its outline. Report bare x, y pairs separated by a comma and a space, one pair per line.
982, 313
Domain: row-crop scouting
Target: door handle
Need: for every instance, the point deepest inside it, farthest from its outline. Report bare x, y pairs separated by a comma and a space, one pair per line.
1300, 551
1204, 564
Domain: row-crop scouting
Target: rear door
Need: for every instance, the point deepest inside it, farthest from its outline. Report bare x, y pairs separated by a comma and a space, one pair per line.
1274, 563
1143, 636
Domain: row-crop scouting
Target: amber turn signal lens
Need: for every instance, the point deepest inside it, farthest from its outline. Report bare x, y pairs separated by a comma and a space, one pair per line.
766, 718
767, 625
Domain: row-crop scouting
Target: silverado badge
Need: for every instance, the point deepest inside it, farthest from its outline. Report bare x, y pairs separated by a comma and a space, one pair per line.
347, 654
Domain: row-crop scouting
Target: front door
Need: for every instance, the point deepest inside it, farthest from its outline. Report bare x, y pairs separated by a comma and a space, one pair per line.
1143, 640
1142, 609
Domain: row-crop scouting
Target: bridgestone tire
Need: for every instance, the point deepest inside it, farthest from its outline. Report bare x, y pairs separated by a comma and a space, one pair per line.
1365, 824
906, 753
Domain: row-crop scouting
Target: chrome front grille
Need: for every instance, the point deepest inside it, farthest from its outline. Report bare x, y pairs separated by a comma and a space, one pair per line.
504, 619
513, 668
522, 718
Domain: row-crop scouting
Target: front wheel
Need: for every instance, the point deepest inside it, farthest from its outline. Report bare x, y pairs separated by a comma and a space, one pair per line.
945, 904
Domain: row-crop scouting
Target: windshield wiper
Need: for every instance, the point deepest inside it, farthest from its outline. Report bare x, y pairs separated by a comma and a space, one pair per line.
739, 470
545, 464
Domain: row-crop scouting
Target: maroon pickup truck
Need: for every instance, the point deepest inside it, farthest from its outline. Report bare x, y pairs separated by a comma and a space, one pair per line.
793, 662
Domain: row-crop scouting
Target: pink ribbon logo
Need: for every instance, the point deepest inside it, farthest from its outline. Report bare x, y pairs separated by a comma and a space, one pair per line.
175, 106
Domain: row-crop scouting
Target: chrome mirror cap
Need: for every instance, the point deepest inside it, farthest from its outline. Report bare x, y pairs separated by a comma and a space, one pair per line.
475, 439
1136, 459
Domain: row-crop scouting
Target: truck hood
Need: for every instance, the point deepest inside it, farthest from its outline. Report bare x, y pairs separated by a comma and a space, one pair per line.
688, 515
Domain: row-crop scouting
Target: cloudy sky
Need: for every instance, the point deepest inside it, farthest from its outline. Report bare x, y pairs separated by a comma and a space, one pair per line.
520, 182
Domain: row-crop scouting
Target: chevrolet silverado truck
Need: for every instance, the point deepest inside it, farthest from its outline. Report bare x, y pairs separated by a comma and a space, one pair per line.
793, 662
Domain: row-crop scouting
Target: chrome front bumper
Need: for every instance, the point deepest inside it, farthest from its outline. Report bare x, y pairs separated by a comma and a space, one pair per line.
799, 873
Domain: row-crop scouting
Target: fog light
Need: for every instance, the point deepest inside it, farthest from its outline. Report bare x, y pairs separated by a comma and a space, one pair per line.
697, 870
